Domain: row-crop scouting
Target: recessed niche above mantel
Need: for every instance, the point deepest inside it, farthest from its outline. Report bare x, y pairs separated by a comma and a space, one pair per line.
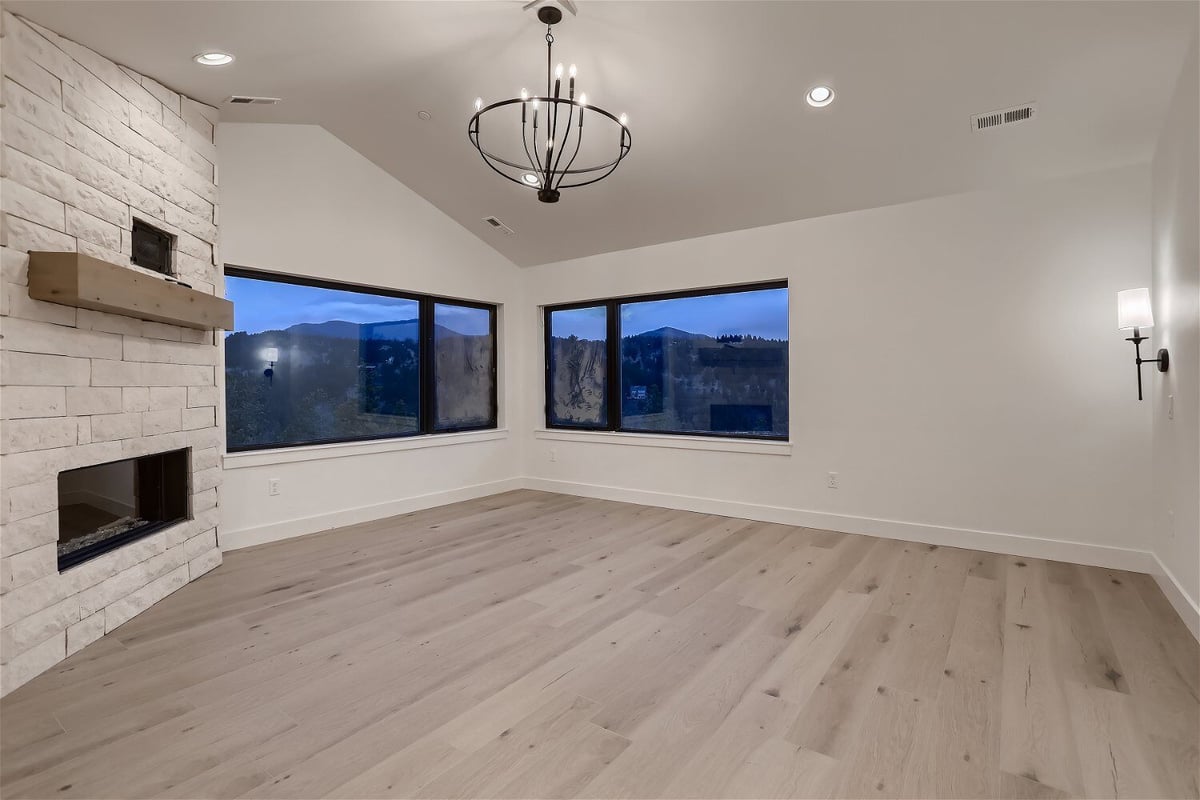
74, 279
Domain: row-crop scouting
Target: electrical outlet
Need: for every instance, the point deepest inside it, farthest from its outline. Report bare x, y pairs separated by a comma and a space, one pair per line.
832, 482
273, 487
1170, 406
553, 454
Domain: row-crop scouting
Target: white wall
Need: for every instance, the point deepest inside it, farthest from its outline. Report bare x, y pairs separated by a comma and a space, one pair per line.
295, 199
955, 360
1176, 300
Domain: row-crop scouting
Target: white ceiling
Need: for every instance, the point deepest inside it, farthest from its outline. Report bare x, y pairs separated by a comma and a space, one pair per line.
722, 138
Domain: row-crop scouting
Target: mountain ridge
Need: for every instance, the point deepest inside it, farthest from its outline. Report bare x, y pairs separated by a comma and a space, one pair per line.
392, 330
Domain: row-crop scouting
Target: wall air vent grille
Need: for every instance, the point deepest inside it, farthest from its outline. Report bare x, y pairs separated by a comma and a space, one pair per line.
1005, 116
246, 100
498, 225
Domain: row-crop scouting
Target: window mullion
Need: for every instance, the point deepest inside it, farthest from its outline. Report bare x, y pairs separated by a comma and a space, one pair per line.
614, 369
426, 393
548, 345
492, 323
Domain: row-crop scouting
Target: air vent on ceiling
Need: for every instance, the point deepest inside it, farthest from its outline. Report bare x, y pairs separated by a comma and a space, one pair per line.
1003, 117
246, 100
498, 225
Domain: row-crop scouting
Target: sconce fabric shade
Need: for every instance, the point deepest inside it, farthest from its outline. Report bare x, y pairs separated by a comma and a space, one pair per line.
1133, 309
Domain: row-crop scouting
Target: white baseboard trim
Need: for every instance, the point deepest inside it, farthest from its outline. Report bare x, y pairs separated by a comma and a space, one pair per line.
1184, 605
302, 526
1093, 555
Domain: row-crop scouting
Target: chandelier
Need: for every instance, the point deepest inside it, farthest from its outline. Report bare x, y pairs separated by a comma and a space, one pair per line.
552, 130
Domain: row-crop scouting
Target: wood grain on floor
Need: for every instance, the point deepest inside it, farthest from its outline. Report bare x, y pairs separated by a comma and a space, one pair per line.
539, 645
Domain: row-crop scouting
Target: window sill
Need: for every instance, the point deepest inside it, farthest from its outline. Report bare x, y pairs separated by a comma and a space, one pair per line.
712, 443
320, 452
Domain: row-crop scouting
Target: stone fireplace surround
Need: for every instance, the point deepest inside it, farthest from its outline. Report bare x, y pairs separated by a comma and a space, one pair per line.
88, 146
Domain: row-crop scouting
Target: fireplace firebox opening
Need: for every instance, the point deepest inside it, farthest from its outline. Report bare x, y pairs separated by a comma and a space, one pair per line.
105, 506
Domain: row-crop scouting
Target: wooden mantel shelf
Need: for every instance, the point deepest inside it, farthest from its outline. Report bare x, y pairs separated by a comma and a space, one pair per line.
74, 279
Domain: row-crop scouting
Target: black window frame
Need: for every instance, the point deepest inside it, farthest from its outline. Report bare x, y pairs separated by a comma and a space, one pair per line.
609, 395
612, 305
425, 315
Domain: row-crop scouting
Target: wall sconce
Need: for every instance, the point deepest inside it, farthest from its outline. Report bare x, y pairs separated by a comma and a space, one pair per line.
270, 355
1133, 313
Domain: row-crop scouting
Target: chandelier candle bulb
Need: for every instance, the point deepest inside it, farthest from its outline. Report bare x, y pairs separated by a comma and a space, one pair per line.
478, 103
558, 70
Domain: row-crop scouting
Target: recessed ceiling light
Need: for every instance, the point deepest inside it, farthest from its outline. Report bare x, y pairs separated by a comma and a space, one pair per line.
530, 178
213, 58
819, 96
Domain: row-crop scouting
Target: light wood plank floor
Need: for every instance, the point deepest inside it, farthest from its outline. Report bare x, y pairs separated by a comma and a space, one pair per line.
538, 645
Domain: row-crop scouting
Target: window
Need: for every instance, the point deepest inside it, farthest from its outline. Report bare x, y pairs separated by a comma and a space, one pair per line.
311, 362
577, 356
464, 367
709, 363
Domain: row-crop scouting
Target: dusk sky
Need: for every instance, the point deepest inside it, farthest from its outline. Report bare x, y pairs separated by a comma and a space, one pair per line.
266, 305
760, 313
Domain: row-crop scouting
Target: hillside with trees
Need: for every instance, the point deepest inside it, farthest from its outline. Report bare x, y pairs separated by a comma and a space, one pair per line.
345, 380
676, 380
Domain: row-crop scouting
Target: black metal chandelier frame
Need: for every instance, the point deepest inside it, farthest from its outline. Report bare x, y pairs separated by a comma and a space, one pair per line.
545, 155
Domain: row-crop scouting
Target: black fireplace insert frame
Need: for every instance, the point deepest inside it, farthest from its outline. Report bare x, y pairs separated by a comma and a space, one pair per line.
178, 462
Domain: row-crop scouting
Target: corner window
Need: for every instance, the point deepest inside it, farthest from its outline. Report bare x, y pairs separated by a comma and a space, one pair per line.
313, 362
709, 363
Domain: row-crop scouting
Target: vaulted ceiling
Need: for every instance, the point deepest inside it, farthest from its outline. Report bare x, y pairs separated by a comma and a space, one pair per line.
722, 137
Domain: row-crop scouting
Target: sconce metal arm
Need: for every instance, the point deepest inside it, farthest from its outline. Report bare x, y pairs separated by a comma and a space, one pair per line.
1163, 359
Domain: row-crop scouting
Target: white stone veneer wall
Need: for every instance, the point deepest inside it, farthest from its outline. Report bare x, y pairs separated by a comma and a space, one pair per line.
88, 145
